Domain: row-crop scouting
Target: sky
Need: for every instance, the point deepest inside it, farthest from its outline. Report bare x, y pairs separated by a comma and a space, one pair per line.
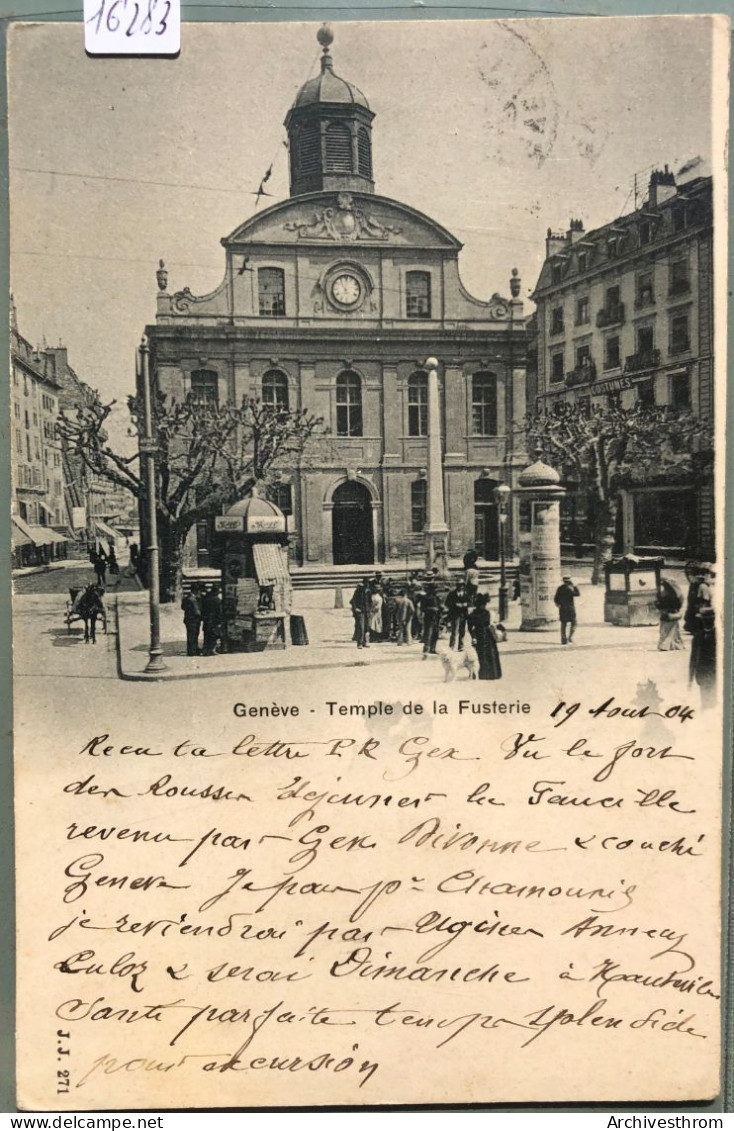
496, 129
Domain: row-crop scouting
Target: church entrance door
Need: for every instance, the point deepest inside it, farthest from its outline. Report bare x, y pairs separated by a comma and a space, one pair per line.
353, 541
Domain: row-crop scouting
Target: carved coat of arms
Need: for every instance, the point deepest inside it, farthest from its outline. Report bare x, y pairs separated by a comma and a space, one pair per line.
344, 222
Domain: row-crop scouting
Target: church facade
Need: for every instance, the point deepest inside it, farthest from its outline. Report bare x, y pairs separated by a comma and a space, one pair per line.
331, 302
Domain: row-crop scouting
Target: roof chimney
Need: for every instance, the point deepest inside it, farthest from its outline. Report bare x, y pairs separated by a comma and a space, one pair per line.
575, 231
662, 186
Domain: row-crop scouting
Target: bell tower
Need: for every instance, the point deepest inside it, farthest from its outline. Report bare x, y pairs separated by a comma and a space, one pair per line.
329, 132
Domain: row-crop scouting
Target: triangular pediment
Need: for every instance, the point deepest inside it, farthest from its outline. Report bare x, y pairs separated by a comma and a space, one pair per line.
334, 219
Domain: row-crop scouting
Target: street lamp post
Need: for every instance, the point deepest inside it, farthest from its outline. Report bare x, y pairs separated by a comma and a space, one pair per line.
148, 449
502, 494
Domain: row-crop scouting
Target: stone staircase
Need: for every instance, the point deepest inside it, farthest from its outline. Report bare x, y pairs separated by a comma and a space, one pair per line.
348, 577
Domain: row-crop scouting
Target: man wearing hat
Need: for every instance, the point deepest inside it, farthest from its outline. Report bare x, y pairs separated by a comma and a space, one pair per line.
566, 603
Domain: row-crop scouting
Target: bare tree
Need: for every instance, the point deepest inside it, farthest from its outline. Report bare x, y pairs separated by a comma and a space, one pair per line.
610, 448
208, 455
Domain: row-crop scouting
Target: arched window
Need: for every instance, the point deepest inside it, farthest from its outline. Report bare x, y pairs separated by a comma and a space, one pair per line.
348, 404
339, 148
364, 152
484, 404
275, 390
204, 387
418, 404
308, 149
271, 291
418, 505
418, 294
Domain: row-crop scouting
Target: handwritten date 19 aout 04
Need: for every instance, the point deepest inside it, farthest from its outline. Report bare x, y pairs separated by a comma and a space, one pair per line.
131, 19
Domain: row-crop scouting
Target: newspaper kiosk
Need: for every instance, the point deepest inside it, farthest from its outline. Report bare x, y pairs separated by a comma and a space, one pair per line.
256, 584
632, 586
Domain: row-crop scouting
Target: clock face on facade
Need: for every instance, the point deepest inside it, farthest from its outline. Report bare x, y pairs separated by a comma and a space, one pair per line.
346, 289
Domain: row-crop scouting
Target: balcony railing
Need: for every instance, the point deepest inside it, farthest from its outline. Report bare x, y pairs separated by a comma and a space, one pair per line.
581, 374
645, 359
611, 315
679, 287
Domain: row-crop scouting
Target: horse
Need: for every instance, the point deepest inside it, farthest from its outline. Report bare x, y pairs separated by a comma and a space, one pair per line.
89, 606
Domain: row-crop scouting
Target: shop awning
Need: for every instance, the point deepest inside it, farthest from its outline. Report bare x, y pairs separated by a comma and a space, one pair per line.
105, 530
38, 535
270, 563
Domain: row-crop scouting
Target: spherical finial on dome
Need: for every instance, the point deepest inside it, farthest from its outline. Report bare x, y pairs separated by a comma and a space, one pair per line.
431, 363
325, 36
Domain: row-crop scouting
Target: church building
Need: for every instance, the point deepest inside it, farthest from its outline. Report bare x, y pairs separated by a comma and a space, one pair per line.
332, 300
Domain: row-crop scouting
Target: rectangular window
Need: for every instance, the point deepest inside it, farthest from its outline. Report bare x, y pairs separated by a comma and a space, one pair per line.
19, 442
679, 336
348, 405
680, 390
583, 356
679, 281
583, 261
484, 404
16, 408
418, 405
679, 218
611, 353
204, 387
612, 247
582, 312
611, 301
557, 320
28, 447
645, 295
556, 273
645, 232
282, 495
557, 370
271, 292
418, 505
645, 339
418, 294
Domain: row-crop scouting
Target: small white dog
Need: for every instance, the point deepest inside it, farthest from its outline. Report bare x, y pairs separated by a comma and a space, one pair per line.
453, 661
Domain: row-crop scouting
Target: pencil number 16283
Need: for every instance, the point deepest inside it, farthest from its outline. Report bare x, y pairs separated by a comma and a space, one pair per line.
131, 18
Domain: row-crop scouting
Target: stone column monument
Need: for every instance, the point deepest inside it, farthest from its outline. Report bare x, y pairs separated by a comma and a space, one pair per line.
539, 494
436, 531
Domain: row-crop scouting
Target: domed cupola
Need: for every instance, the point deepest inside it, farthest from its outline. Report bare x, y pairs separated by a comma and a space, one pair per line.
330, 132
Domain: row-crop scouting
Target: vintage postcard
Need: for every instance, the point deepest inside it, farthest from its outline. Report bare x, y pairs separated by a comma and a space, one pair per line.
367, 391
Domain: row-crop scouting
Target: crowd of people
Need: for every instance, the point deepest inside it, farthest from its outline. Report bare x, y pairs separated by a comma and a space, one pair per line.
423, 608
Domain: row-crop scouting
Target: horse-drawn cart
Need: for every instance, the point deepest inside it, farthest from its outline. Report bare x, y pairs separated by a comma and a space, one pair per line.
84, 606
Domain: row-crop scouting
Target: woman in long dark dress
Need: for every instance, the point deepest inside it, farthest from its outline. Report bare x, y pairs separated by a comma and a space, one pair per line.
480, 622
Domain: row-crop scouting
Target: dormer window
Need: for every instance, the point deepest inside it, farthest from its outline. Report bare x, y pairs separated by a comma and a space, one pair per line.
556, 273
612, 247
271, 292
583, 261
679, 218
645, 233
